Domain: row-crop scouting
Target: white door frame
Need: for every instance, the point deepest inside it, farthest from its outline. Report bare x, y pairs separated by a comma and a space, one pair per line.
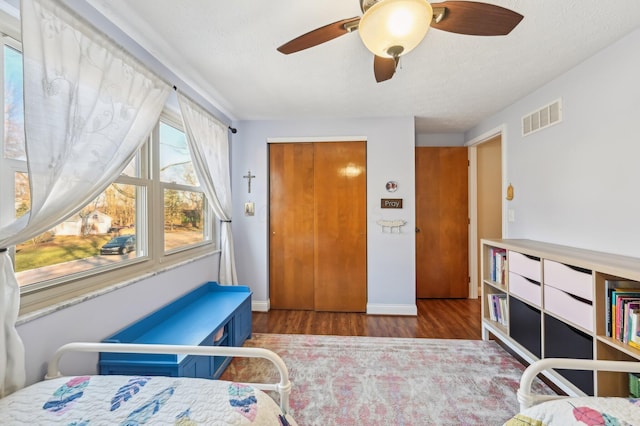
473, 200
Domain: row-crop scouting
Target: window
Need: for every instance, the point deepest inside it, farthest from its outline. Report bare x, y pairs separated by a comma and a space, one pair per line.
184, 202
154, 213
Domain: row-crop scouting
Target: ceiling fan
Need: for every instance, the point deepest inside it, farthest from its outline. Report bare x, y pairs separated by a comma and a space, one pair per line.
392, 28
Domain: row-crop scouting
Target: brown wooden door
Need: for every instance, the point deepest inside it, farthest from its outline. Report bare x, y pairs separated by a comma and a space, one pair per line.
442, 222
317, 245
291, 226
341, 229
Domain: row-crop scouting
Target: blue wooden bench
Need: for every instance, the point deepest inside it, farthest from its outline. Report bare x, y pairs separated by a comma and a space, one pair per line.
211, 315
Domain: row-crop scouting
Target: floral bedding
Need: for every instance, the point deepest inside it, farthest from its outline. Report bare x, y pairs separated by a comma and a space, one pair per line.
134, 400
582, 411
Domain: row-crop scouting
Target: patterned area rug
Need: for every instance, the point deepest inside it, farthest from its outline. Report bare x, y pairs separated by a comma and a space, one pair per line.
391, 381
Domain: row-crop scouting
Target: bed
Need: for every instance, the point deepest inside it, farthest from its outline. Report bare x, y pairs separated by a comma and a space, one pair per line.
135, 400
559, 410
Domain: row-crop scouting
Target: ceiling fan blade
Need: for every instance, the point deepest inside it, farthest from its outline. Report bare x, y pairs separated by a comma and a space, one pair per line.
384, 68
473, 18
320, 35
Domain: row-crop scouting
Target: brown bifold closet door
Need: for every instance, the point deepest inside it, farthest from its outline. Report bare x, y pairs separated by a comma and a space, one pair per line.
318, 226
291, 226
341, 227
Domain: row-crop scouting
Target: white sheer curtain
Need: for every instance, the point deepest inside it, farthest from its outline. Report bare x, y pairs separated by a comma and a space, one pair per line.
209, 144
88, 108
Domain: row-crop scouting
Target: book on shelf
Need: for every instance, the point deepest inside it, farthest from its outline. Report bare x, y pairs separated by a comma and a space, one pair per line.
503, 311
497, 304
492, 262
497, 266
634, 385
632, 336
501, 262
610, 287
632, 315
619, 299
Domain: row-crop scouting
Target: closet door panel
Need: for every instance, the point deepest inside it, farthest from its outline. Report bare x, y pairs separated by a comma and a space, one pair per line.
340, 226
291, 226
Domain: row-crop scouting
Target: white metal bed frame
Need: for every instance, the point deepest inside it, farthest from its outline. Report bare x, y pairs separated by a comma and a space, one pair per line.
283, 387
527, 399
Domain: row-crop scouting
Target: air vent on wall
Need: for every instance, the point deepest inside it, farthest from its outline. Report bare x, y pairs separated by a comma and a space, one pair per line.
547, 116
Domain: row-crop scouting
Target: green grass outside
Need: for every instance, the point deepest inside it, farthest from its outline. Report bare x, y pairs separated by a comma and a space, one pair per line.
59, 249
65, 248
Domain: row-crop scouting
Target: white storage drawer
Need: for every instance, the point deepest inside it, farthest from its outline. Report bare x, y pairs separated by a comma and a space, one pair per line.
566, 306
563, 277
525, 288
524, 265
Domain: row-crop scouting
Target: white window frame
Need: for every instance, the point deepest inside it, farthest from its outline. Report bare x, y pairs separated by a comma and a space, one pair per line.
172, 119
151, 256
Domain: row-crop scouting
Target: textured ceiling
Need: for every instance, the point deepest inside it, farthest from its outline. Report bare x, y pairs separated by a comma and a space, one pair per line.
450, 82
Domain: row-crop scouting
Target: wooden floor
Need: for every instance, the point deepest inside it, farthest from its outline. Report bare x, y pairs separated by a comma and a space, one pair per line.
437, 318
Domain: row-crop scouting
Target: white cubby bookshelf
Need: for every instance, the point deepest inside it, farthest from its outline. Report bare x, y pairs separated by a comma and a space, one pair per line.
557, 307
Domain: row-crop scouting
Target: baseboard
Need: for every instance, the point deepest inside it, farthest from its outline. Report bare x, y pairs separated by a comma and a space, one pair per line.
385, 309
372, 308
260, 305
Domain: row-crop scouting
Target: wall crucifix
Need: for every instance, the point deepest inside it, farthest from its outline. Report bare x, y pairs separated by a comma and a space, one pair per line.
249, 176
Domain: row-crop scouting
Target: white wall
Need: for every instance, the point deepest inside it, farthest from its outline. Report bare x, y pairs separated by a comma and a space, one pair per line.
94, 319
390, 156
577, 183
440, 139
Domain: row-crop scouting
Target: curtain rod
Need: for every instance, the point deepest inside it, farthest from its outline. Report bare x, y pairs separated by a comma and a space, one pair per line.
231, 129
139, 55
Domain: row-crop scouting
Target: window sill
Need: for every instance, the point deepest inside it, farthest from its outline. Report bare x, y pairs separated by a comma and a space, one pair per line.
34, 314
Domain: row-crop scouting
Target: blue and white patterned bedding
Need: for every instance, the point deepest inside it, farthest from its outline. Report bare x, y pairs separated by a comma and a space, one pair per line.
581, 411
135, 400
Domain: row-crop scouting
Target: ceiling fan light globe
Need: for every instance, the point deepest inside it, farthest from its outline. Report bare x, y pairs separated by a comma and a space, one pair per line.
390, 23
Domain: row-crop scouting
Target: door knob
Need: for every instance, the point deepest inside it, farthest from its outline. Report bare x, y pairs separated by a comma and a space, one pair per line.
417, 230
